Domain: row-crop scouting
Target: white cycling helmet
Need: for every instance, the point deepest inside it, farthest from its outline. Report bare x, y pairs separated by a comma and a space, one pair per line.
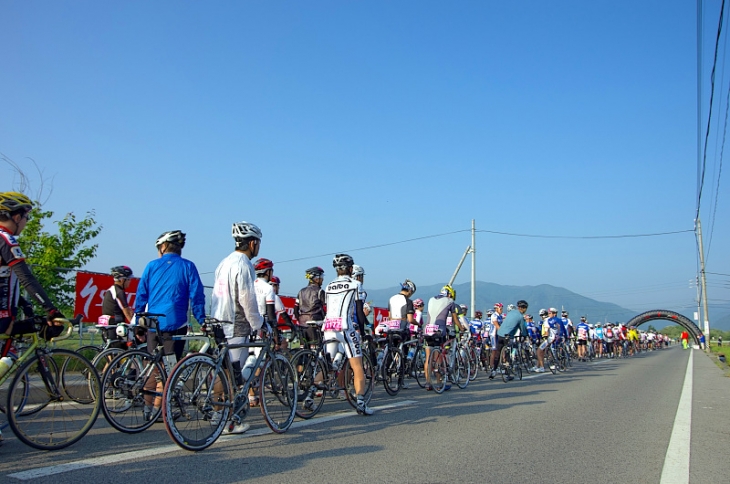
173, 237
122, 330
246, 230
357, 271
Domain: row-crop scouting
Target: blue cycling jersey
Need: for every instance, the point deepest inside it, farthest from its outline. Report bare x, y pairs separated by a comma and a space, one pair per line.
168, 286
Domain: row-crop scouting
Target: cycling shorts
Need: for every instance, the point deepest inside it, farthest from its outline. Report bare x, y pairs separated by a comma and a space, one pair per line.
349, 343
169, 347
582, 342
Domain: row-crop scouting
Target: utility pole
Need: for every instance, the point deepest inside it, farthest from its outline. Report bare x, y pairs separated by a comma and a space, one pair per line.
703, 280
473, 268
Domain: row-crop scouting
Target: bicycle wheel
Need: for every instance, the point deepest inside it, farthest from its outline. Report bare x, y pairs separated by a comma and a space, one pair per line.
437, 370
133, 384
392, 371
369, 371
203, 398
89, 351
518, 371
47, 412
550, 361
311, 375
419, 370
473, 363
504, 358
462, 369
278, 393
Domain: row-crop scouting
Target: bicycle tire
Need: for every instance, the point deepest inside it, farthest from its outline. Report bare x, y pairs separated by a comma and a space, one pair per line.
350, 392
89, 351
462, 367
518, 372
473, 363
550, 359
53, 423
278, 393
204, 399
438, 371
504, 369
392, 371
124, 397
419, 368
308, 367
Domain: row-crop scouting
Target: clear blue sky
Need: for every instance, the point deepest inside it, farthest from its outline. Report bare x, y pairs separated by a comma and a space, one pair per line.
341, 125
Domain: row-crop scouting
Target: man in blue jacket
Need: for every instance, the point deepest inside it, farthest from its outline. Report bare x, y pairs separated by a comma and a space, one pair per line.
514, 321
169, 285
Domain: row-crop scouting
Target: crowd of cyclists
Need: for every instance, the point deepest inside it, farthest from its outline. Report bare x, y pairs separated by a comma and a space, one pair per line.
433, 341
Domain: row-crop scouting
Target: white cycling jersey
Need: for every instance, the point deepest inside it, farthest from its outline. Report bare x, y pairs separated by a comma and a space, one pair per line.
264, 294
234, 296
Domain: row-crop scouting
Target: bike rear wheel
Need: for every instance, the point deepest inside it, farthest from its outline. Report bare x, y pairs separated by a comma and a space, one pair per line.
124, 395
473, 363
278, 393
311, 391
203, 398
392, 371
46, 421
369, 371
462, 367
419, 370
437, 370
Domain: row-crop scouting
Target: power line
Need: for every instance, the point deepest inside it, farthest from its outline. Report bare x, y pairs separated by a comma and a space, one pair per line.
709, 114
374, 246
626, 236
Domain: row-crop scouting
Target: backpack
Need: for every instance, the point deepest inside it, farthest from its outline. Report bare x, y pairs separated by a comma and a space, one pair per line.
609, 333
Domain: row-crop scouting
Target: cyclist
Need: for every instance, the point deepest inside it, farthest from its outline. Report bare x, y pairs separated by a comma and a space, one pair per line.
497, 316
281, 313
531, 329
609, 337
476, 324
463, 309
400, 308
310, 304
168, 286
567, 324
598, 331
343, 304
358, 273
234, 297
440, 308
514, 321
418, 311
583, 333
114, 306
15, 209
265, 294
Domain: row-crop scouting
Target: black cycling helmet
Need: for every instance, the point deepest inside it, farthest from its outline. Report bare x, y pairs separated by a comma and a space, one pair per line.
121, 272
173, 237
342, 261
313, 272
522, 304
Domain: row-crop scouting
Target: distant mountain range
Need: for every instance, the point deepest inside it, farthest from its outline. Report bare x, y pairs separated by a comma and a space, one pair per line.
542, 296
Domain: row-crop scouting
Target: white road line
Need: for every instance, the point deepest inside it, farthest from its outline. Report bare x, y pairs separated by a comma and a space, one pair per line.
146, 453
676, 462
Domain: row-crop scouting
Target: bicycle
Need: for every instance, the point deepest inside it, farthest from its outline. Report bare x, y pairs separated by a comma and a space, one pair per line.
507, 364
393, 365
134, 379
204, 389
443, 364
415, 357
48, 403
317, 376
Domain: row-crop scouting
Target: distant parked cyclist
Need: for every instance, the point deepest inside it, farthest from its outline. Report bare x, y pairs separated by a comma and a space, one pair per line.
114, 307
310, 303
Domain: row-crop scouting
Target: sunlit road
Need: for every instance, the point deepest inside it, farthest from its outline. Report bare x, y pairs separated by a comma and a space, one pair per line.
607, 421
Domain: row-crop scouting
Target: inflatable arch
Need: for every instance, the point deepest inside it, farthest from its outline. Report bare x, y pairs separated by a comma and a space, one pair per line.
671, 316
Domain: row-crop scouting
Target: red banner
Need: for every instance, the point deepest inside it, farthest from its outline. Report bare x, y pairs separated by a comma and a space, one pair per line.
379, 314
90, 290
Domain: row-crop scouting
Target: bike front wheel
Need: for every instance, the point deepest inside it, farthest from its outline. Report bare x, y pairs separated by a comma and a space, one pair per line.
311, 376
278, 394
369, 372
52, 410
197, 402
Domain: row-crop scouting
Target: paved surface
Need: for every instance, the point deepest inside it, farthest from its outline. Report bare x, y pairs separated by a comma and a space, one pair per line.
607, 421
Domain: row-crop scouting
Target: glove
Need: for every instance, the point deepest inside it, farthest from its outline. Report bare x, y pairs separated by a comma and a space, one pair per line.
54, 314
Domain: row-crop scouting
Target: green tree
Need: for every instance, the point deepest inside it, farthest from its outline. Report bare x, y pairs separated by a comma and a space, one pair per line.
54, 257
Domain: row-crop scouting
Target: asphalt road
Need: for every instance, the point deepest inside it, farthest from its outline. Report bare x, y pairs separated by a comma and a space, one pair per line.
607, 421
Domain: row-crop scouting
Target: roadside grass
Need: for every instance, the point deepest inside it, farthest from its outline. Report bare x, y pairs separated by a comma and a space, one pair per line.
715, 351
